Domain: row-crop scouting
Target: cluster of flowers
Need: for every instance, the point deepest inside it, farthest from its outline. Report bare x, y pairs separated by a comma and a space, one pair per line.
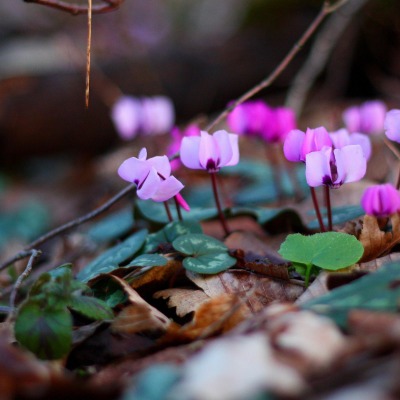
148, 115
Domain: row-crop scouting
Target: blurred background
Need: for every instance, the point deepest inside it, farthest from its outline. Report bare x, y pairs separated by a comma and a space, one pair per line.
200, 53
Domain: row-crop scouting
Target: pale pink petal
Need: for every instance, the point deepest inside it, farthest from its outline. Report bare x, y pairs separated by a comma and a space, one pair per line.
315, 140
189, 152
150, 185
318, 171
126, 116
209, 152
143, 154
364, 141
352, 160
293, 144
167, 189
392, 125
134, 170
161, 165
234, 140
351, 118
372, 116
340, 138
224, 146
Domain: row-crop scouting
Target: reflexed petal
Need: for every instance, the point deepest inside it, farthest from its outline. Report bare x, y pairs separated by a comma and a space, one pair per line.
317, 167
126, 116
392, 125
340, 138
234, 140
150, 185
161, 164
237, 119
189, 153
381, 200
133, 169
372, 116
351, 118
167, 189
224, 145
209, 150
143, 154
182, 202
364, 141
293, 144
353, 162
315, 140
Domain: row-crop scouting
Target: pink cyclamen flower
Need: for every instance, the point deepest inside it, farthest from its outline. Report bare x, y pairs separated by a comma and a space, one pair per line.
148, 115
342, 138
392, 125
152, 177
210, 152
367, 118
282, 121
250, 117
298, 144
381, 200
334, 167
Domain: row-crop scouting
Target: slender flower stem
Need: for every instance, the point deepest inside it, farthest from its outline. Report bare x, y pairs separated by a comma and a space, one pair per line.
168, 211
178, 209
328, 207
218, 204
317, 211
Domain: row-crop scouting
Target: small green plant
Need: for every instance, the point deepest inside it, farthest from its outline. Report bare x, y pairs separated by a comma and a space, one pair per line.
44, 322
329, 250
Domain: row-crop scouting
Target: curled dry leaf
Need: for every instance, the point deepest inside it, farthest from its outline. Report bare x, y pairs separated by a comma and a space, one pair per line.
217, 315
376, 242
257, 290
140, 316
184, 300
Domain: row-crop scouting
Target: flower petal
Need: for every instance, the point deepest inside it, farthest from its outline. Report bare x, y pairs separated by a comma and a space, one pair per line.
392, 125
352, 161
161, 164
126, 116
209, 151
167, 189
224, 145
293, 144
364, 141
150, 185
134, 170
234, 139
189, 152
318, 169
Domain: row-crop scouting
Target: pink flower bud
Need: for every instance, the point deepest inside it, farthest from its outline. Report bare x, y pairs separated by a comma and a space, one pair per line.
381, 200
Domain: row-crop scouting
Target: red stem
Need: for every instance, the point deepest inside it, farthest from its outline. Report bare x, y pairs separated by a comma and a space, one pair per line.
178, 209
317, 211
328, 207
218, 204
168, 211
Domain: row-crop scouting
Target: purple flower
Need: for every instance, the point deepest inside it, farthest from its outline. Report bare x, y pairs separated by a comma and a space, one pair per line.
381, 200
250, 117
152, 177
334, 167
367, 118
149, 116
298, 144
282, 121
342, 138
392, 125
210, 152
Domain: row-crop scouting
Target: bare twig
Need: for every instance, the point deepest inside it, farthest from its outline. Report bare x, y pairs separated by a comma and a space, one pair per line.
34, 255
88, 51
69, 225
76, 9
326, 9
321, 50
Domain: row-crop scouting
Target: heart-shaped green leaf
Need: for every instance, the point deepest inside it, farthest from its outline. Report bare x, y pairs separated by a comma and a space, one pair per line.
110, 259
47, 332
328, 250
148, 260
206, 254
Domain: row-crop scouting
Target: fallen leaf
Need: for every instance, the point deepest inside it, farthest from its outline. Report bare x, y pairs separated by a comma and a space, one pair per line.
376, 242
317, 288
140, 316
256, 290
184, 300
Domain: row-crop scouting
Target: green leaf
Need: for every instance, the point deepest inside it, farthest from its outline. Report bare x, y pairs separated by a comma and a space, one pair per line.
328, 250
169, 233
155, 212
91, 307
148, 260
377, 291
109, 291
47, 332
340, 215
112, 227
110, 259
207, 255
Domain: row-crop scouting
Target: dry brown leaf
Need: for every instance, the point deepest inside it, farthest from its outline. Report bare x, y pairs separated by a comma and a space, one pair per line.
215, 316
317, 288
256, 290
185, 300
373, 265
376, 242
140, 316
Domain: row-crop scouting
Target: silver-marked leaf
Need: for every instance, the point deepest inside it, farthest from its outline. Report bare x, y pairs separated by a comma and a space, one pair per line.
148, 260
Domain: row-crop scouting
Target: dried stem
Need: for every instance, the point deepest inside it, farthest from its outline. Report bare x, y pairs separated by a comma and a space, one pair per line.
76, 9
69, 225
317, 210
88, 52
218, 204
326, 9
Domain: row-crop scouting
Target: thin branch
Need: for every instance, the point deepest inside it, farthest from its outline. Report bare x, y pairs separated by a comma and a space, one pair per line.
88, 51
69, 225
77, 9
319, 55
326, 9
